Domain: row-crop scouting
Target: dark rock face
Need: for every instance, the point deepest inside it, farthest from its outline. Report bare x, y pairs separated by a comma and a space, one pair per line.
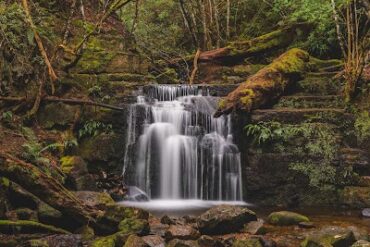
224, 219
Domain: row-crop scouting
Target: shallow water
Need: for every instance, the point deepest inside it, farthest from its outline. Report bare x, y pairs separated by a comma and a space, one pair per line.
178, 208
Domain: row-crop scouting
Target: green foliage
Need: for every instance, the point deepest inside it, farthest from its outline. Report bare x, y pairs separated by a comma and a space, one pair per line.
316, 142
93, 128
323, 38
362, 126
7, 117
32, 149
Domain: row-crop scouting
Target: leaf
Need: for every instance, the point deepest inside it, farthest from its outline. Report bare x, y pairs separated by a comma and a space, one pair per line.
30, 37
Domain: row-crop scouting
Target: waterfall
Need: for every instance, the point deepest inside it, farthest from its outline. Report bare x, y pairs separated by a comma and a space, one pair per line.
175, 148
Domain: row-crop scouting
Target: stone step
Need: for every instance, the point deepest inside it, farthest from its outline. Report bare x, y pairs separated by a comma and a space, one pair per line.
310, 101
356, 197
318, 84
364, 181
336, 116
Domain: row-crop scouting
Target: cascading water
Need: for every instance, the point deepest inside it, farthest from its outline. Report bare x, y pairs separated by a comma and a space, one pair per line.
176, 149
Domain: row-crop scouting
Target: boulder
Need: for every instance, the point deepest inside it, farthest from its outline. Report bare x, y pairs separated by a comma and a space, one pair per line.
224, 219
86, 232
78, 177
183, 232
154, 241
207, 241
182, 243
255, 228
361, 243
95, 199
366, 212
136, 194
330, 236
249, 242
70, 240
286, 218
167, 220
134, 226
57, 115
135, 241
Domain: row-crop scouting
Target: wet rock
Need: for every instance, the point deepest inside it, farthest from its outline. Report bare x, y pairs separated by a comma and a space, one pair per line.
306, 225
134, 225
154, 241
182, 243
224, 219
255, 228
366, 212
189, 219
207, 241
361, 243
167, 220
286, 218
330, 236
135, 241
98, 200
158, 229
183, 232
136, 194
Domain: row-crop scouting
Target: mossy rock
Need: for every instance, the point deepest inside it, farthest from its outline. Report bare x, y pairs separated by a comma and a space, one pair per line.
133, 225
25, 226
135, 241
48, 214
56, 115
95, 199
330, 237
251, 242
73, 164
361, 243
86, 232
115, 240
286, 218
103, 147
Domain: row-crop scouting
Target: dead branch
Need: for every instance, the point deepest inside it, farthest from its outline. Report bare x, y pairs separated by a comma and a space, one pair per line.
195, 65
52, 75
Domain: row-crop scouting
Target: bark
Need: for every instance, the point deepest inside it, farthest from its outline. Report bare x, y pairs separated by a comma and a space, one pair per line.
268, 84
195, 69
46, 188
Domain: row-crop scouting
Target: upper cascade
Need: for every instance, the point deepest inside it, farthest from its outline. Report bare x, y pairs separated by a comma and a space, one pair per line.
176, 149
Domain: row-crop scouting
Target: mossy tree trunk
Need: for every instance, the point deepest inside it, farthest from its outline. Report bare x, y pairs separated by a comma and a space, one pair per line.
267, 85
46, 188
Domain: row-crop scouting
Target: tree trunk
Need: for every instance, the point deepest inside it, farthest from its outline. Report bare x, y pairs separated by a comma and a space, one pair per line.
268, 84
46, 188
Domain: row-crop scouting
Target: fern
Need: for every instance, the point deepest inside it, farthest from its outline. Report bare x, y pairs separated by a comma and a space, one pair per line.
93, 128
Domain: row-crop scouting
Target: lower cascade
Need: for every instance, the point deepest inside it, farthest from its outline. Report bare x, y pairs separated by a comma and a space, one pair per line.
176, 149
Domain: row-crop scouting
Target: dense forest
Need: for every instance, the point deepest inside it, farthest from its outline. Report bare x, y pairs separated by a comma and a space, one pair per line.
185, 123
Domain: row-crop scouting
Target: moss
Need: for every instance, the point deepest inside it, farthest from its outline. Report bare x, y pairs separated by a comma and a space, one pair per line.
37, 243
168, 76
117, 239
86, 232
285, 218
29, 226
133, 225
73, 163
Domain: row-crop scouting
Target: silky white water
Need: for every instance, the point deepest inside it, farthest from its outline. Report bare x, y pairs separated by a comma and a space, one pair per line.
176, 149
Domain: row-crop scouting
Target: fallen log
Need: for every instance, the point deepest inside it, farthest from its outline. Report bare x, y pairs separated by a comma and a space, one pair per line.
239, 50
46, 188
268, 84
63, 100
